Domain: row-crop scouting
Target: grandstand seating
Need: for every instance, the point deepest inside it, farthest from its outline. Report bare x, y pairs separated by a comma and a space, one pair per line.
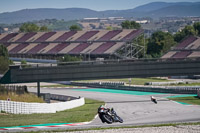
131, 35
68, 48
10, 47
79, 48
29, 47
26, 37
102, 48
37, 48
15, 38
194, 54
186, 42
76, 36
109, 35
66, 36
181, 54
8, 37
103, 42
57, 48
169, 54
18, 48
91, 47
114, 48
87, 35
45, 37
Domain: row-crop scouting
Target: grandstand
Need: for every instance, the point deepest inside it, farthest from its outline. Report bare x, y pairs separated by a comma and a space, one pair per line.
188, 48
96, 43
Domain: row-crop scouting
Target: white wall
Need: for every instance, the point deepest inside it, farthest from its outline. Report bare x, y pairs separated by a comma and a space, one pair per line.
30, 108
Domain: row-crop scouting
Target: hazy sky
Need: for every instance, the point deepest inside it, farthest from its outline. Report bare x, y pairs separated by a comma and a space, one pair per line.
99, 5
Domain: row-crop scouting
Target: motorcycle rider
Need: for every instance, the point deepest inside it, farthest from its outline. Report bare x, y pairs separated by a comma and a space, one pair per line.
153, 99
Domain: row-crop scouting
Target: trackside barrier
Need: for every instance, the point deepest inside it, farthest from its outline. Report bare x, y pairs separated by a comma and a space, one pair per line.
175, 90
30, 108
198, 93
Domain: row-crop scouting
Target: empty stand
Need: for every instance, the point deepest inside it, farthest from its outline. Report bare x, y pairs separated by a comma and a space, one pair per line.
8, 37
181, 54
66, 36
91, 47
69, 48
87, 35
169, 54
26, 37
114, 48
132, 35
45, 37
109, 35
16, 37
37, 48
18, 48
79, 48
194, 54
186, 42
102, 48
29, 47
57, 48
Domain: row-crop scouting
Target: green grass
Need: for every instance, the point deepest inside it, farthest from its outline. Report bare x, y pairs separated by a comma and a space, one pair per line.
134, 81
189, 100
79, 114
27, 97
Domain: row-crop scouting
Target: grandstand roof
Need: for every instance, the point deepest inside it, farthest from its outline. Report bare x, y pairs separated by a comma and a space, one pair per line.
68, 42
188, 48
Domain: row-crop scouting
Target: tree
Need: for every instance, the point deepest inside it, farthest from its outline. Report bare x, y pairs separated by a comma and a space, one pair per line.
130, 25
75, 28
43, 29
4, 60
197, 27
109, 28
68, 58
159, 43
29, 27
3, 51
188, 30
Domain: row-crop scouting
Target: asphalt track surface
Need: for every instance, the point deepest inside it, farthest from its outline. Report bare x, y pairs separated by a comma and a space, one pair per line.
134, 109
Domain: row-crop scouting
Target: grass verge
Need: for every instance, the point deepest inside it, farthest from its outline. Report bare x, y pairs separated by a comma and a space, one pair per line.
79, 114
26, 97
189, 100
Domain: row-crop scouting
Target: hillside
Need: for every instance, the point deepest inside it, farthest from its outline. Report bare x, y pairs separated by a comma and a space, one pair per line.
154, 10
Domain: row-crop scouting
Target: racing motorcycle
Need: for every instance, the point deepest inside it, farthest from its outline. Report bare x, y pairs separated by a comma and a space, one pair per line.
108, 115
153, 99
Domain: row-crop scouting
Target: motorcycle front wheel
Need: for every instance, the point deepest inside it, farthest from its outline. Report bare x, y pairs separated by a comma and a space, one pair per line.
108, 119
120, 119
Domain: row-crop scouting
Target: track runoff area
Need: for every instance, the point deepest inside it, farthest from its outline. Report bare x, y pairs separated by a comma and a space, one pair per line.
134, 107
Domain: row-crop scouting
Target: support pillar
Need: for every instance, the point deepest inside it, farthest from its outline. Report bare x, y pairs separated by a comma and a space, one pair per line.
38, 89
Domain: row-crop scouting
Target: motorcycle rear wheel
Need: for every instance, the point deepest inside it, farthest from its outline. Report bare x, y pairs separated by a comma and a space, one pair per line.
108, 119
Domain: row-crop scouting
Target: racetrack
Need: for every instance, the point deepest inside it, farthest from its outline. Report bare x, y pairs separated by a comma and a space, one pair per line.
134, 109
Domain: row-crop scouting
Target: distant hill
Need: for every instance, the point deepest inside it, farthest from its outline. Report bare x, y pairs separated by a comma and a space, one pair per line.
154, 10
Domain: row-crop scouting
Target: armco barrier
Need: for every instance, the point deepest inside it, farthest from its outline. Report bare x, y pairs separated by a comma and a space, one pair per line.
30, 108
169, 89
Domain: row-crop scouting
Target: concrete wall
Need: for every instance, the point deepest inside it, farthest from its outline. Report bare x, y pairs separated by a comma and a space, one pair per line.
30, 108
103, 71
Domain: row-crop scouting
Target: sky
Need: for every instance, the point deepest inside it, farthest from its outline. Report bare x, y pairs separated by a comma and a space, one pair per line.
98, 5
